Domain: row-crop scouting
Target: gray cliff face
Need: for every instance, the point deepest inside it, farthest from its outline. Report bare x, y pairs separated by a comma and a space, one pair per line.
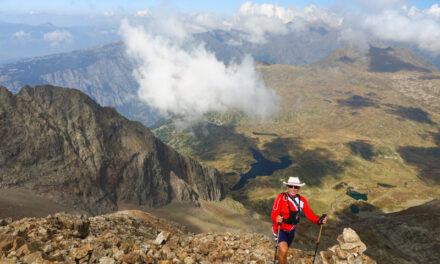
61, 144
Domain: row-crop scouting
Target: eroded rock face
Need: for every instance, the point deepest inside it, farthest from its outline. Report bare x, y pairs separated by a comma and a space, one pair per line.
61, 144
138, 237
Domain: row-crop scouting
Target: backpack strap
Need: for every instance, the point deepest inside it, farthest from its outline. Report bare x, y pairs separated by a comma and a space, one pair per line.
297, 204
294, 201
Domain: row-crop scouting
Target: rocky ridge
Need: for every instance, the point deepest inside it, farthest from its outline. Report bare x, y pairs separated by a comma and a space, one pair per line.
60, 144
138, 237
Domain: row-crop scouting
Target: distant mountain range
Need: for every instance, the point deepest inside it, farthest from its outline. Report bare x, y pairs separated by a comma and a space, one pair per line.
22, 41
60, 144
105, 73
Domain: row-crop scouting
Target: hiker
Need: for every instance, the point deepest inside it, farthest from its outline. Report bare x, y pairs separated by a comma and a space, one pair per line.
286, 210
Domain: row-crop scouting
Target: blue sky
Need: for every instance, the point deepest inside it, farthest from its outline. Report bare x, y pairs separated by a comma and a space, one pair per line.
220, 7
99, 12
99, 20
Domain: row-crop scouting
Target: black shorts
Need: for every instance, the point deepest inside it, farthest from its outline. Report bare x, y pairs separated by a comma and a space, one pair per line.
286, 236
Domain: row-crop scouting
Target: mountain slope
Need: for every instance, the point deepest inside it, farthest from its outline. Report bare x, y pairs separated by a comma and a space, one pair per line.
61, 144
408, 236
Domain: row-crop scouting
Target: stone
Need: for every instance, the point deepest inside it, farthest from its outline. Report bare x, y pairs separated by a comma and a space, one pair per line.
350, 236
6, 244
341, 253
181, 255
33, 258
106, 260
189, 260
334, 248
56, 256
350, 259
5, 221
326, 254
81, 252
357, 246
162, 237
8, 261
144, 247
18, 242
131, 258
48, 248
22, 251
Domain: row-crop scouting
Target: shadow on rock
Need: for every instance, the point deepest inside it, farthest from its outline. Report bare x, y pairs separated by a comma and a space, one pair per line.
410, 113
357, 102
362, 149
425, 159
383, 61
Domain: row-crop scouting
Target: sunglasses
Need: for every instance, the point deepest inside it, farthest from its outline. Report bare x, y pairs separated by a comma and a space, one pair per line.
293, 186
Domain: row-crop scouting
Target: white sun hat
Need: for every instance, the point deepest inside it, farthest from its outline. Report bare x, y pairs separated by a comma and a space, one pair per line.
294, 181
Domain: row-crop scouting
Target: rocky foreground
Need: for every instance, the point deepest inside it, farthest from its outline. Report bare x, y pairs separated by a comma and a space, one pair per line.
138, 237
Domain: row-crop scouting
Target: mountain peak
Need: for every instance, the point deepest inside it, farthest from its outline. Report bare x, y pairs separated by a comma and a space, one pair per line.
58, 142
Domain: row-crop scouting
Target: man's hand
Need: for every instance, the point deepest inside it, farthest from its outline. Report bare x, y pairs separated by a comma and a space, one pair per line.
322, 219
279, 219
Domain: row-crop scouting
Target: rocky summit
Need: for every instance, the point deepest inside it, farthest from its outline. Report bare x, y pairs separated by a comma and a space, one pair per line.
60, 144
138, 237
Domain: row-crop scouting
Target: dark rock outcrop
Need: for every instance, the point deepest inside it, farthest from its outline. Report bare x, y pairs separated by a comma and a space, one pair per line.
408, 236
61, 144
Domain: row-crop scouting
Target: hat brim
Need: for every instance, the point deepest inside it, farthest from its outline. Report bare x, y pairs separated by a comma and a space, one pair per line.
294, 183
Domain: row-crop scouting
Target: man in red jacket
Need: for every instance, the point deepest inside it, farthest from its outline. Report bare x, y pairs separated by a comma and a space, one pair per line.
286, 210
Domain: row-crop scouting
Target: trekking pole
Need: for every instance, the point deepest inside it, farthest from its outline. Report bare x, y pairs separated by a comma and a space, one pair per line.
276, 245
317, 242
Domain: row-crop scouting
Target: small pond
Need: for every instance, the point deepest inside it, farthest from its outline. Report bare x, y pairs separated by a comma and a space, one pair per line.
262, 167
354, 209
356, 195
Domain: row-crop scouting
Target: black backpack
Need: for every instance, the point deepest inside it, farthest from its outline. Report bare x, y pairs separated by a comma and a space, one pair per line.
294, 216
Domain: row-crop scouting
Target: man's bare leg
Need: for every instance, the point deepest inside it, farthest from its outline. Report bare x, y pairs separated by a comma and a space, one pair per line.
282, 252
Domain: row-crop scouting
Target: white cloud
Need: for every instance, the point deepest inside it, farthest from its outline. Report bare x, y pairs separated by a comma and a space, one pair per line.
58, 36
384, 21
257, 21
434, 10
143, 13
21, 34
403, 25
190, 81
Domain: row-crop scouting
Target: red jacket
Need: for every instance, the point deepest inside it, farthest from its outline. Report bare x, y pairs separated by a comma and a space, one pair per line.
280, 206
